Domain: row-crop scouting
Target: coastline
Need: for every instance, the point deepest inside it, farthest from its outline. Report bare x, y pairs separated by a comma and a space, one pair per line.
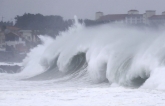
11, 62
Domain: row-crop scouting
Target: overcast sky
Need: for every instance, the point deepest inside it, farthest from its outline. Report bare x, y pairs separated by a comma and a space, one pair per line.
82, 8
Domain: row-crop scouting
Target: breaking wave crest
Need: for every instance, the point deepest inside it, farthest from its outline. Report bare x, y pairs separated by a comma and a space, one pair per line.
128, 56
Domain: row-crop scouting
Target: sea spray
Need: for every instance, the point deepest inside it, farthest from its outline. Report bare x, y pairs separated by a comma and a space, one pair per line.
128, 56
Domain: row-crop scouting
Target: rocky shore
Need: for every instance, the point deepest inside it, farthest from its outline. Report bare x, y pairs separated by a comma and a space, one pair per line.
10, 69
8, 60
11, 57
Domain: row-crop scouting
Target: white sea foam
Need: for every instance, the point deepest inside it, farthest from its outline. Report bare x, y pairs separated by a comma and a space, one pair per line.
119, 54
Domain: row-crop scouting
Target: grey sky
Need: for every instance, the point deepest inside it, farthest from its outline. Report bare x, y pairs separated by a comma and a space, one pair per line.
82, 8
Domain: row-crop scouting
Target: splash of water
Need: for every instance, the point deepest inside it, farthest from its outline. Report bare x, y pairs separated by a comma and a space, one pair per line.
115, 53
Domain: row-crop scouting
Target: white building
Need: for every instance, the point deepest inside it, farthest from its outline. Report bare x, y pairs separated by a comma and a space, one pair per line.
26, 34
30, 35
133, 17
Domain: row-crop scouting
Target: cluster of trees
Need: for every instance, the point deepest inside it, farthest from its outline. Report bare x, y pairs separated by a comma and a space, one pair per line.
8, 23
4, 24
50, 25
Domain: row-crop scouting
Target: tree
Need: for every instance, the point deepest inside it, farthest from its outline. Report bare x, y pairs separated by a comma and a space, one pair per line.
51, 25
8, 23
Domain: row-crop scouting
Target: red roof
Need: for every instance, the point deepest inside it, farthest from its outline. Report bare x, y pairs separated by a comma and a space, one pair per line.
12, 34
12, 28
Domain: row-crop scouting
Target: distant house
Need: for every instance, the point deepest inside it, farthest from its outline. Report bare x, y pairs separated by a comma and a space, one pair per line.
14, 42
15, 39
27, 34
30, 35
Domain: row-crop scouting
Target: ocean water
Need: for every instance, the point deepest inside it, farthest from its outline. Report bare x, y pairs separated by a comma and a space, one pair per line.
106, 65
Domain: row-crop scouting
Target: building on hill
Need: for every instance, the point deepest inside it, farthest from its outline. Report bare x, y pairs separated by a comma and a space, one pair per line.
27, 34
132, 17
11, 29
31, 36
15, 42
13, 39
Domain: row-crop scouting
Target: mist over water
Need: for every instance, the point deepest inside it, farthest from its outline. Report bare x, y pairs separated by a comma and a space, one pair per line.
128, 56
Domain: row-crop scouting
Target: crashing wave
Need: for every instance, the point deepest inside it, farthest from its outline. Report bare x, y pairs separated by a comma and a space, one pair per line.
108, 53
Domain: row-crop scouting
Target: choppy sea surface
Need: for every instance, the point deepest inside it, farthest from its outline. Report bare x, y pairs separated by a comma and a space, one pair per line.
107, 65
